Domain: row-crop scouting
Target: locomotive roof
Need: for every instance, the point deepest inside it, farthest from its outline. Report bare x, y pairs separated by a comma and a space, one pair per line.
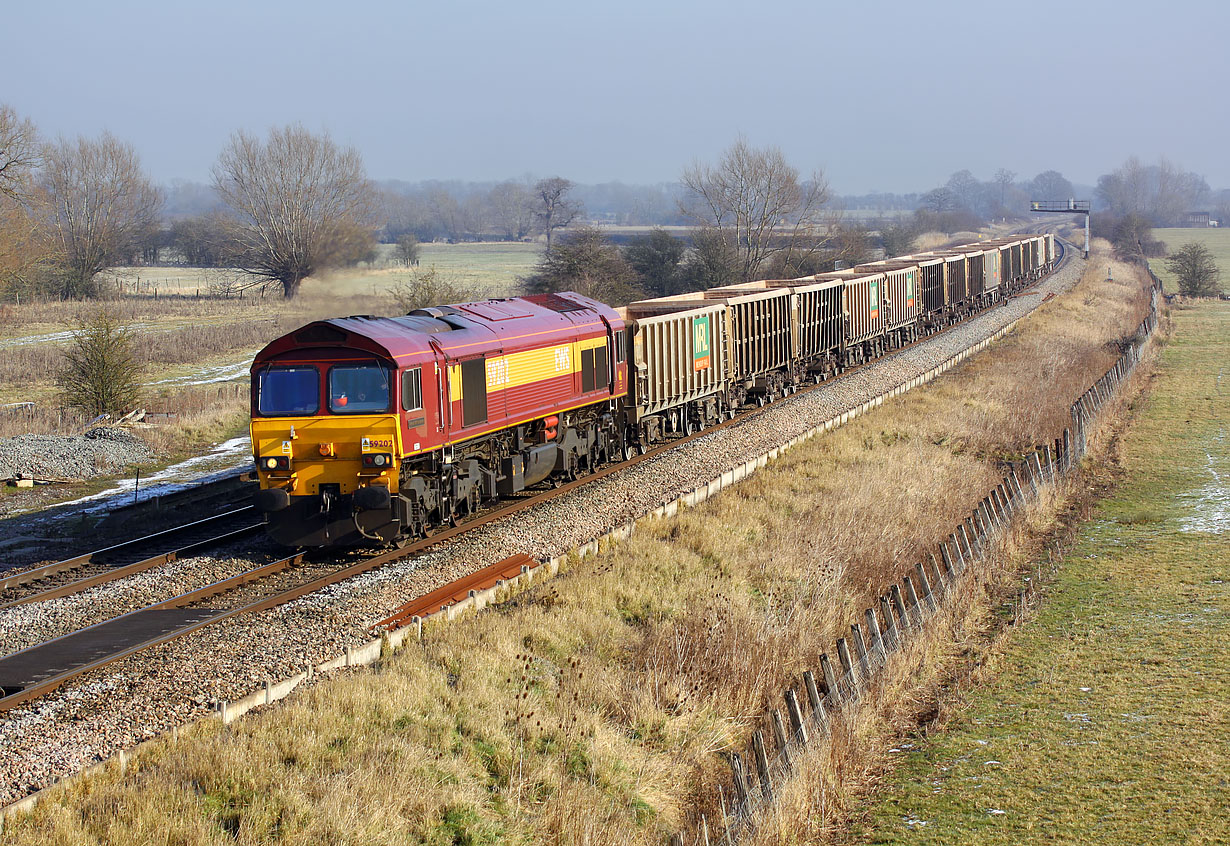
457, 329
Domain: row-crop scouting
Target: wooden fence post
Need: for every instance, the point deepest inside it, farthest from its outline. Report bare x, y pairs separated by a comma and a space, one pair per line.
1005, 501
982, 530
946, 556
972, 542
903, 621
818, 711
925, 584
889, 637
860, 650
1036, 476
941, 578
847, 666
740, 781
914, 608
873, 633
832, 691
762, 765
955, 543
813, 692
797, 724
779, 732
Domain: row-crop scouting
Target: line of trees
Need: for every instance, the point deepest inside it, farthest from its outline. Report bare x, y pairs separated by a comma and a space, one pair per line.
71, 208
754, 217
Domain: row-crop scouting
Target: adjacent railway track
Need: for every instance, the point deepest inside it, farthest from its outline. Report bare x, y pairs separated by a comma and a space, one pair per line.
81, 572
40, 669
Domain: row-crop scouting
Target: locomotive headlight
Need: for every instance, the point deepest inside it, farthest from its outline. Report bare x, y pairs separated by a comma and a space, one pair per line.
271, 463
377, 459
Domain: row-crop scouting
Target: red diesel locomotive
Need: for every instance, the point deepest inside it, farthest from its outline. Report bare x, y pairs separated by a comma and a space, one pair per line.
372, 430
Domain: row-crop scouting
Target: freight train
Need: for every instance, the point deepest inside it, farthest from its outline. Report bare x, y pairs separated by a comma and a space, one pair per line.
375, 430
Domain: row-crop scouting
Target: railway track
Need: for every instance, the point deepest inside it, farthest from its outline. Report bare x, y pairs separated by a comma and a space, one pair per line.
74, 575
38, 670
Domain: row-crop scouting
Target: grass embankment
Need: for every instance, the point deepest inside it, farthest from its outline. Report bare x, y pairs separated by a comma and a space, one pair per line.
596, 707
1105, 718
1217, 241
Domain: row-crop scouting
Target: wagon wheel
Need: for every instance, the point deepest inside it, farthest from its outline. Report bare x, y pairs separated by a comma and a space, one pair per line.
627, 447
686, 423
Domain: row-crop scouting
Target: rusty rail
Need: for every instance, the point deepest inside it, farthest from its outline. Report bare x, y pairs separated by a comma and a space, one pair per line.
454, 592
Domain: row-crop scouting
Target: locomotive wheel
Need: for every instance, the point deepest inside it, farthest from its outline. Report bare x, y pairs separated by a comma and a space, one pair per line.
629, 448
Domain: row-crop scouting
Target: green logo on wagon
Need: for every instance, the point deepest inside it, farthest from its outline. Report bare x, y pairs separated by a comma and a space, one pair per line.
700, 343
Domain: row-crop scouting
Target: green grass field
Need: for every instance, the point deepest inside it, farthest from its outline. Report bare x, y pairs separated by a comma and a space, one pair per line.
1217, 240
1105, 720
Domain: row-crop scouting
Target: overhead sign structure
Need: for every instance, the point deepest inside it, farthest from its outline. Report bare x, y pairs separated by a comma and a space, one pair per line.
1065, 207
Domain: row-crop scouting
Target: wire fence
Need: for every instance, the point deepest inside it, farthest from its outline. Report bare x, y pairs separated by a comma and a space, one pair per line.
834, 690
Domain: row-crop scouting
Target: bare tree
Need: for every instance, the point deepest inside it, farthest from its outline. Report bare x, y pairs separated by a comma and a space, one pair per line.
511, 212
1198, 273
95, 206
755, 198
298, 201
965, 189
1051, 185
19, 155
553, 208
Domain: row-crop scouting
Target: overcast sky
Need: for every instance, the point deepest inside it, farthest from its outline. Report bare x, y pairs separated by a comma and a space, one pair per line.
883, 96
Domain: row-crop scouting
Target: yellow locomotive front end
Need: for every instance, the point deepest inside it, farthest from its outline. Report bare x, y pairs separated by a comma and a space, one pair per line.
326, 443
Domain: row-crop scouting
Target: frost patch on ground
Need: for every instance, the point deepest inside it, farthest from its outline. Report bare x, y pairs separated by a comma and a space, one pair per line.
1210, 505
211, 375
225, 456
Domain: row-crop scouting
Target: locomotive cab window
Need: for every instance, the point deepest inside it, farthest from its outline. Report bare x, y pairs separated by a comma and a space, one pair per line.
358, 389
620, 352
412, 390
284, 391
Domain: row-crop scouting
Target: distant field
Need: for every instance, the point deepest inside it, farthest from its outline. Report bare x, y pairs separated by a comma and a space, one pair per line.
1217, 240
1106, 719
487, 269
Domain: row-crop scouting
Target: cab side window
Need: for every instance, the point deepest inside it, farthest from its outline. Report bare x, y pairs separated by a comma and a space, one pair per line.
412, 390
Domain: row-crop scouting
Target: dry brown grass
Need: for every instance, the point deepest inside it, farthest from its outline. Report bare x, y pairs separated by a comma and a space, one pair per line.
597, 708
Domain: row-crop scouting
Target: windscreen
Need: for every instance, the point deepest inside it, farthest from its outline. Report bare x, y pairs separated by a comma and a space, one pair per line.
358, 389
289, 390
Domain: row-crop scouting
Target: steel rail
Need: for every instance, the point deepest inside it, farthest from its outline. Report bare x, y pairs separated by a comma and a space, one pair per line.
117, 573
38, 573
